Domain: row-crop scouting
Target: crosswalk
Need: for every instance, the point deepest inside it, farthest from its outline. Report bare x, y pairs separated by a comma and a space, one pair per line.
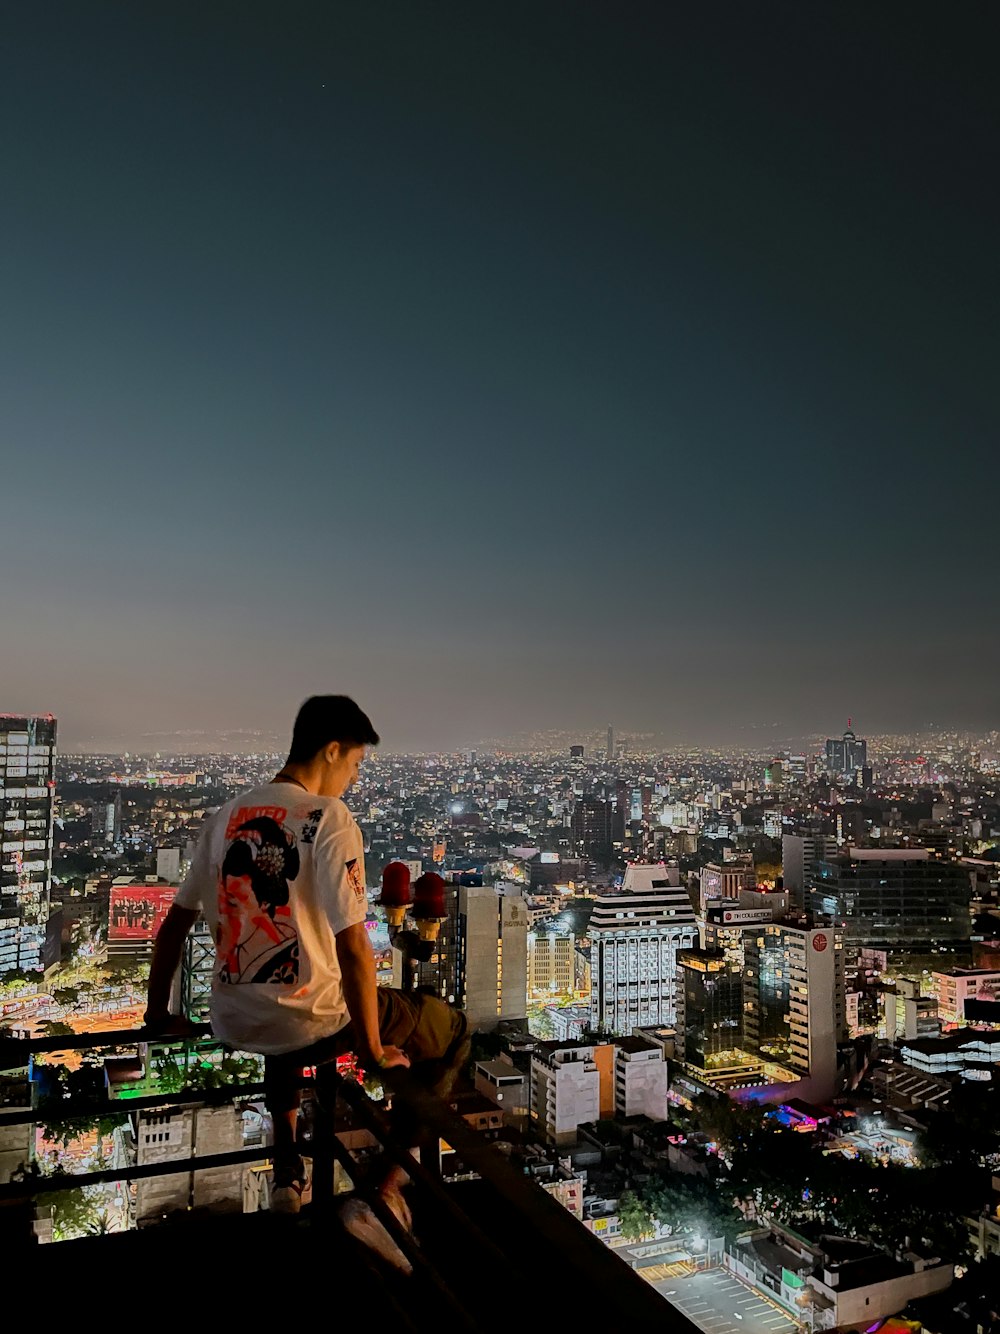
657, 1273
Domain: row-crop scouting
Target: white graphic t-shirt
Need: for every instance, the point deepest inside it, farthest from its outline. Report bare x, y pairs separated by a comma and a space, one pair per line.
278, 873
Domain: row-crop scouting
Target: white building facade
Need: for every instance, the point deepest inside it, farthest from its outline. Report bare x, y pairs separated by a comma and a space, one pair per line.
640, 1081
565, 1091
636, 935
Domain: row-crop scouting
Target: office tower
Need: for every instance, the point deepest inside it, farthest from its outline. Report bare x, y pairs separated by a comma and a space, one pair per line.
799, 855
635, 937
551, 962
576, 752
846, 755
794, 1010
709, 1006
593, 820
640, 803
621, 814
27, 799
106, 820
896, 899
611, 743
725, 880
480, 961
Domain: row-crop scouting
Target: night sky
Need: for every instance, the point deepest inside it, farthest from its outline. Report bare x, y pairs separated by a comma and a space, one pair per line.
506, 366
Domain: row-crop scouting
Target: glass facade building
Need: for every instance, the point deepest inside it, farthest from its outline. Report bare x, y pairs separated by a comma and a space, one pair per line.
793, 999
27, 799
709, 1006
900, 900
846, 755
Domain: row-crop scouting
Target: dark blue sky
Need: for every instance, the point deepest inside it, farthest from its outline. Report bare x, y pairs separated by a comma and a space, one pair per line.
527, 365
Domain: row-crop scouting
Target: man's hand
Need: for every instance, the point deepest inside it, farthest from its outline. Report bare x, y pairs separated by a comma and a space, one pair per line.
391, 1057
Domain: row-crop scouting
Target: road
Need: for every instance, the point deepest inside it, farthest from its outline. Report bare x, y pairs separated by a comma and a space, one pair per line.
720, 1304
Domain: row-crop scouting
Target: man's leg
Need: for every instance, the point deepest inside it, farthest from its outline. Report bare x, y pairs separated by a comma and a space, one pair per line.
435, 1036
282, 1094
282, 1097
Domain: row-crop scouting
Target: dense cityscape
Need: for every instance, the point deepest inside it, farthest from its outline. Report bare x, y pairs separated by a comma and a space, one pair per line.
739, 1013
499, 745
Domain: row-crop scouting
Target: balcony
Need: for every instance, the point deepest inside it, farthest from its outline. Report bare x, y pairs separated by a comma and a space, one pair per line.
492, 1242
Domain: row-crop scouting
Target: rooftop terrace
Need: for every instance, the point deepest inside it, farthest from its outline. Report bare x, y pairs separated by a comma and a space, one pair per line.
492, 1238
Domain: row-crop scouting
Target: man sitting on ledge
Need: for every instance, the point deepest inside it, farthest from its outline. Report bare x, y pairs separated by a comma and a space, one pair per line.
279, 875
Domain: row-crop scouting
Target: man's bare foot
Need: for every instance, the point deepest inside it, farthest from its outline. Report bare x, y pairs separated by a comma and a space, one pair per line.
361, 1222
392, 1195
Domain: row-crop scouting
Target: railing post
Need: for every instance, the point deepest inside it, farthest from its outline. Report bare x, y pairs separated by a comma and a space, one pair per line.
324, 1130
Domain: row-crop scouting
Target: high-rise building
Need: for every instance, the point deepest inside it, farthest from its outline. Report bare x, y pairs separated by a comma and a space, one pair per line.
794, 1008
709, 1006
27, 800
896, 899
106, 820
799, 855
726, 880
845, 755
480, 962
611, 743
593, 828
492, 955
551, 962
636, 935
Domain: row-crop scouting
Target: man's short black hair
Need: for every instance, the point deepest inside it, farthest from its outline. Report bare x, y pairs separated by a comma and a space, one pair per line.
326, 718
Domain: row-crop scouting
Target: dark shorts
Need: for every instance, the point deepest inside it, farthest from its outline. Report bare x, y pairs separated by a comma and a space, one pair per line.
433, 1034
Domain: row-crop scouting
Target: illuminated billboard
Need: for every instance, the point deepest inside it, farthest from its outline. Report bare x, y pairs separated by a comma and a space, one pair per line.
136, 911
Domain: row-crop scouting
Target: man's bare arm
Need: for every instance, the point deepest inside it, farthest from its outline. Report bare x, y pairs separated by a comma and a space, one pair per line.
357, 968
167, 953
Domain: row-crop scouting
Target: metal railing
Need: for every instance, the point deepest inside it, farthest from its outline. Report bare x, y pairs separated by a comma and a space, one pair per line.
493, 1246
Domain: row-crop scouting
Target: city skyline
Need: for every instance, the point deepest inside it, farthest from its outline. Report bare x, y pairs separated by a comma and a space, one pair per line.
763, 742
506, 374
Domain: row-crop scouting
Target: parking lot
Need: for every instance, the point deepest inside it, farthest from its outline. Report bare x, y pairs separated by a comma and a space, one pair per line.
719, 1304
